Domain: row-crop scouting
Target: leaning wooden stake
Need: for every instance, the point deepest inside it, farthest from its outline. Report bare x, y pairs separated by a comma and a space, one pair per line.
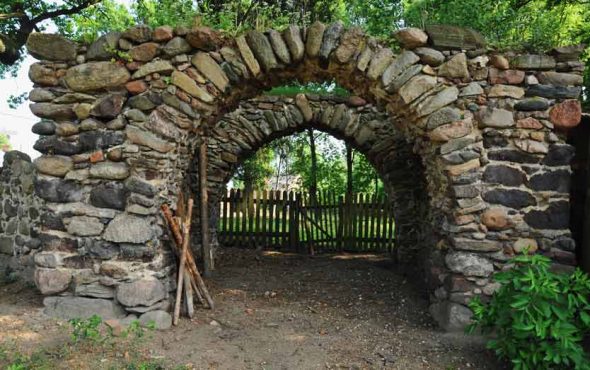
208, 262
183, 254
190, 262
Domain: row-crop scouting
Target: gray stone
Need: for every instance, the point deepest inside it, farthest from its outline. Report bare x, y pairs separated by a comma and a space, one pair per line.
473, 89
430, 56
445, 37
104, 47
93, 140
379, 63
108, 106
435, 102
39, 95
141, 137
330, 40
118, 123
141, 293
96, 76
190, 86
128, 229
6, 245
556, 216
532, 104
451, 317
85, 226
53, 111
55, 165
135, 115
211, 70
504, 175
416, 87
139, 34
109, 171
137, 185
50, 259
469, 264
262, 49
102, 249
61, 191
313, 42
558, 181
554, 92
292, 36
162, 305
473, 245
279, 46
111, 195
496, 117
533, 61
160, 319
443, 116
68, 308
157, 66
51, 47
510, 198
95, 290
559, 155
52, 281
560, 79
400, 64
177, 45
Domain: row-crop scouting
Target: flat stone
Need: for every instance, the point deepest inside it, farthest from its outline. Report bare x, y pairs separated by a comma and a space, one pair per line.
554, 92
330, 40
350, 43
94, 140
533, 62
496, 219
102, 249
292, 37
139, 34
96, 76
50, 259
7, 245
504, 175
496, 117
559, 155
190, 86
404, 77
566, 114
450, 316
531, 146
476, 245
126, 228
95, 290
456, 170
141, 293
379, 63
279, 46
529, 123
157, 66
469, 264
53, 111
456, 144
110, 195
506, 91
556, 216
52, 281
85, 226
162, 33
558, 181
68, 308
136, 87
262, 49
42, 75
141, 137
429, 56
456, 67
411, 37
54, 165
160, 319
443, 116
51, 47
60, 191
473, 89
247, 55
532, 104
144, 52
433, 103
567, 53
177, 45
104, 47
451, 131
109, 106
109, 171
39, 95
137, 185
445, 37
399, 64
560, 79
509, 76
315, 35
211, 70
204, 38
510, 198
416, 87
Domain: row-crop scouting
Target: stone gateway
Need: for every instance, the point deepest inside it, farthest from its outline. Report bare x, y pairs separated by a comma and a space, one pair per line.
469, 142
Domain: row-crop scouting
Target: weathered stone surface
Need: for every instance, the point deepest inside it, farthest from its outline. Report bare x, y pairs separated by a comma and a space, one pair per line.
560, 79
248, 55
554, 92
499, 61
531, 146
262, 49
559, 155
430, 56
532, 104
96, 76
163, 33
53, 111
42, 75
525, 244
93, 140
496, 219
144, 52
435, 102
55, 165
510, 198
137, 185
529, 123
399, 64
452, 130
161, 320
351, 42
95, 290
204, 38
506, 91
157, 66
104, 47
456, 67
61, 191
504, 175
39, 95
141, 293
128, 229
110, 171
411, 38
177, 45
459, 169
85, 226
555, 216
67, 308
102, 249
415, 87
532, 62
303, 105
443, 116
445, 37
141, 137
566, 114
496, 117
279, 46
111, 195
292, 36
452, 317
473, 245
379, 63
473, 89
190, 86
558, 180
139, 34
109, 106
330, 40
469, 264
51, 47
211, 70
510, 76
315, 35
52, 281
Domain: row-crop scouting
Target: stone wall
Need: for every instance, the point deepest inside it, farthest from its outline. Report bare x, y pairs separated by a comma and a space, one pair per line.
121, 120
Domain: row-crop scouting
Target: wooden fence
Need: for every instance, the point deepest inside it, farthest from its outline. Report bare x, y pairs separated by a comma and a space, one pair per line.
293, 221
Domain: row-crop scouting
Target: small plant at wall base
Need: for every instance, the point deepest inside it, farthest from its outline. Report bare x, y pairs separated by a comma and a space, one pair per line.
538, 318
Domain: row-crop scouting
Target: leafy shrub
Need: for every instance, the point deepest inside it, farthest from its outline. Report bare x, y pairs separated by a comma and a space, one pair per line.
539, 318
86, 329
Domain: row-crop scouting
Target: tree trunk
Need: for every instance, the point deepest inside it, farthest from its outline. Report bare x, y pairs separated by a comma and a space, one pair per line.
313, 186
349, 160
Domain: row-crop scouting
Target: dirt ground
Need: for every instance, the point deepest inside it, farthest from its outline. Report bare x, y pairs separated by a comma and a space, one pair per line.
274, 311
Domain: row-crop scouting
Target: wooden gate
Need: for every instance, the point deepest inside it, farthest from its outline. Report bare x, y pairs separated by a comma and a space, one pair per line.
293, 221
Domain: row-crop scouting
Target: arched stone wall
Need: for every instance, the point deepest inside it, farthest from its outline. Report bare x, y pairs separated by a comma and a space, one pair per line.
256, 122
118, 138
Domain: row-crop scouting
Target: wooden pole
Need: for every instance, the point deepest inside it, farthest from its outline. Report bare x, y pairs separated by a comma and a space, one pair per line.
186, 228
206, 247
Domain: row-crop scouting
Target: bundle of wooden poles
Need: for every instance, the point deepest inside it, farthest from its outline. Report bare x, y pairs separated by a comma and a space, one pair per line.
189, 277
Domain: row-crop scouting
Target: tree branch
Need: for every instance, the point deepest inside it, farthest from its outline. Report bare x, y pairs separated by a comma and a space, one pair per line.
56, 13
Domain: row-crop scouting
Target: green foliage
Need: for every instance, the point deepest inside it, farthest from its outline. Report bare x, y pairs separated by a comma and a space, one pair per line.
323, 88
87, 330
538, 317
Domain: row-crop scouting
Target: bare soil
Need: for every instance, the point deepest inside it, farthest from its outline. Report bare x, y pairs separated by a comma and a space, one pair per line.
273, 311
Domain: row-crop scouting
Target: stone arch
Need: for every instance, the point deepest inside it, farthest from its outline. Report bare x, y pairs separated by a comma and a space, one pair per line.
118, 138
257, 122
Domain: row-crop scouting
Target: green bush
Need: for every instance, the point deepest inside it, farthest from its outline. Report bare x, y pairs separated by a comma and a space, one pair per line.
539, 318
